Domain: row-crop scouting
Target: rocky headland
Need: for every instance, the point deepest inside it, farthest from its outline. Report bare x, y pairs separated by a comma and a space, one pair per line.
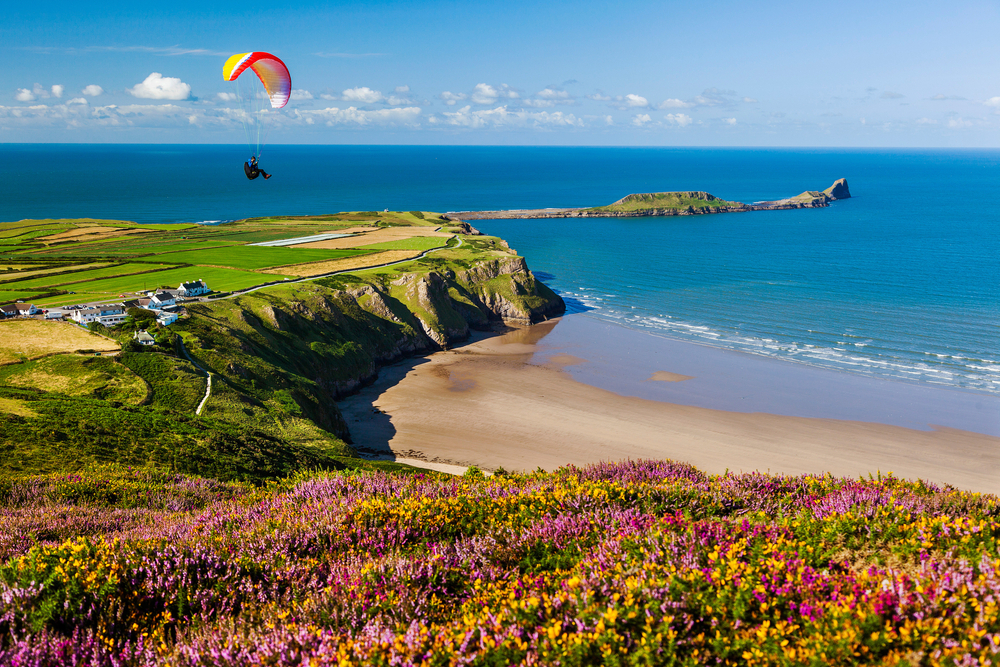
655, 204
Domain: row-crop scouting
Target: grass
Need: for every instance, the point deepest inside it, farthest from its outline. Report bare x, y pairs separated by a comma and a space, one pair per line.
77, 277
412, 243
7, 296
94, 377
12, 406
73, 299
28, 338
218, 279
254, 258
49, 269
665, 200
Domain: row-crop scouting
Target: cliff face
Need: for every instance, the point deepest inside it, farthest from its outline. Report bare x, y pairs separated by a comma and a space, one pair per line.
315, 342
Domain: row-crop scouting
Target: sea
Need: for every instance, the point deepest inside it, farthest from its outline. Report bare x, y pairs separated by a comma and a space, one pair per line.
900, 283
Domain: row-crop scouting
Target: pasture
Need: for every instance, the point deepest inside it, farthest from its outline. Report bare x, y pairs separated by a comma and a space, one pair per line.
34, 338
255, 257
79, 276
218, 279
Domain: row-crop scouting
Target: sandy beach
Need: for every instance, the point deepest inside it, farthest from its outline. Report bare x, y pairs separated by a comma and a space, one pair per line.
512, 401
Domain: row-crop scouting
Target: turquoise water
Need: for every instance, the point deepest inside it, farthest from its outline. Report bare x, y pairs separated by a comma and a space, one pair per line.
900, 282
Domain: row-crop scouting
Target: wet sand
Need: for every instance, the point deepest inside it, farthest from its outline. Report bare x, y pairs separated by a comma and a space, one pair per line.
512, 401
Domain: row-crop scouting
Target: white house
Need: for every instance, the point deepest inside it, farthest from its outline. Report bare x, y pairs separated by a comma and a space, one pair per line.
194, 288
165, 318
141, 302
18, 310
144, 338
161, 300
106, 315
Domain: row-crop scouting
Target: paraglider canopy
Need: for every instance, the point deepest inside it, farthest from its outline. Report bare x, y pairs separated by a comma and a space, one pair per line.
269, 80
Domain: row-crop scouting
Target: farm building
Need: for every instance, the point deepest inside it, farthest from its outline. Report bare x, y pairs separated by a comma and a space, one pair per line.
106, 315
195, 288
144, 338
18, 310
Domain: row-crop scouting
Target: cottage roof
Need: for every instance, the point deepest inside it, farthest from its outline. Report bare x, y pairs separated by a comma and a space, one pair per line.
163, 296
194, 284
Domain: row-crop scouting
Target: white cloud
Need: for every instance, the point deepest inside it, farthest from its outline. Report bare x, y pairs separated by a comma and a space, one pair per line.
674, 103
363, 95
354, 116
598, 97
552, 94
502, 117
159, 87
540, 104
402, 89
226, 97
889, 95
57, 90
24, 95
299, 94
609, 120
939, 97
993, 102
750, 100
451, 98
93, 90
925, 121
957, 123
634, 100
681, 119
641, 119
397, 100
729, 121
78, 100
484, 93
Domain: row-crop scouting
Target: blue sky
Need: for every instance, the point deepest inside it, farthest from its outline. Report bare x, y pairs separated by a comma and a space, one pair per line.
555, 73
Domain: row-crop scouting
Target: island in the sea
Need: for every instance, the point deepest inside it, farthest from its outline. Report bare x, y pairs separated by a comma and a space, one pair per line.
668, 204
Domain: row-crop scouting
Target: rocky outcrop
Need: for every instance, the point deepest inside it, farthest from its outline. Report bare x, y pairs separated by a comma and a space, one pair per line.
808, 199
838, 190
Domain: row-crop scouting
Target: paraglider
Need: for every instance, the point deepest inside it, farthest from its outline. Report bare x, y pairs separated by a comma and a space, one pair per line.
268, 87
253, 170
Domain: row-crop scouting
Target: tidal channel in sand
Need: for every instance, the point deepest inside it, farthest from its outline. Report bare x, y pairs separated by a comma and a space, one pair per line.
578, 391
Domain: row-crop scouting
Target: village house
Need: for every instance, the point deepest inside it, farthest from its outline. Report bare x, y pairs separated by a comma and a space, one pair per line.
195, 288
109, 316
142, 302
144, 338
18, 310
165, 318
161, 300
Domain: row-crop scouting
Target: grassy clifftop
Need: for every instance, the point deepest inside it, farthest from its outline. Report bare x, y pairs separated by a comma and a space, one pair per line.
279, 357
665, 201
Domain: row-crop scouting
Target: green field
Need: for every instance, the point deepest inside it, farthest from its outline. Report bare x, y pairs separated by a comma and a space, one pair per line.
412, 243
7, 296
218, 279
49, 269
72, 299
251, 257
76, 277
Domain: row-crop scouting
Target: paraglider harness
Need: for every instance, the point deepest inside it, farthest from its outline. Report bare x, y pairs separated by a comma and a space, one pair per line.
253, 170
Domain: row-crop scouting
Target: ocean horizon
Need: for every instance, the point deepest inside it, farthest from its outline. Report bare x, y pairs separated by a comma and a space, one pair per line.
901, 282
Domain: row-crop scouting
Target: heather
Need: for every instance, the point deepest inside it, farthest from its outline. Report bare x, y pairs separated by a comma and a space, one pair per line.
634, 563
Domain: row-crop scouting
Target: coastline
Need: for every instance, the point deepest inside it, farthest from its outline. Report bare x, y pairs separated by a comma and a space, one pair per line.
528, 398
